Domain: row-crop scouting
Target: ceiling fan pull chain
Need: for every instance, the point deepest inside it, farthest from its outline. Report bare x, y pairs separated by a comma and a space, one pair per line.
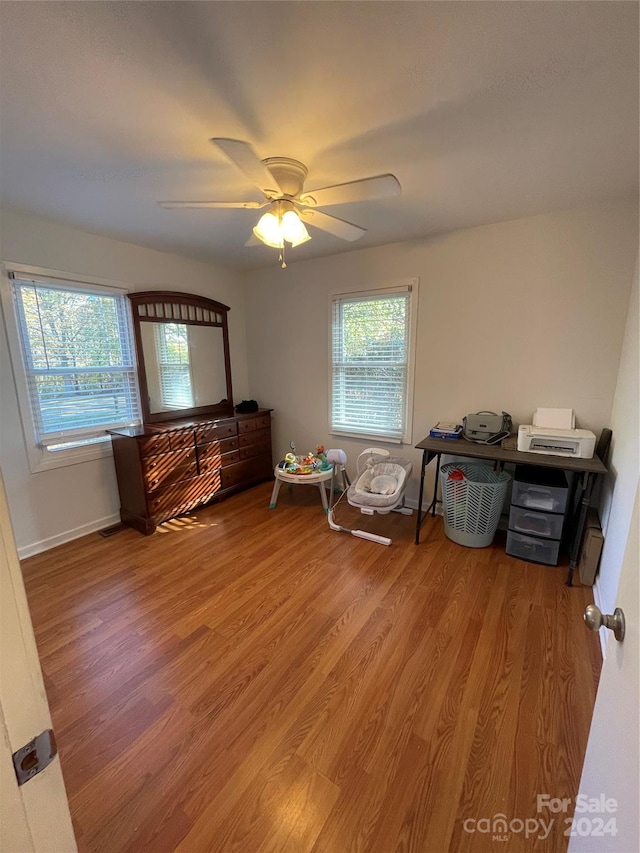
281, 258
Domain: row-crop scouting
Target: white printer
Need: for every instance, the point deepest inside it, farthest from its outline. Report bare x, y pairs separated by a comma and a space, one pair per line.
553, 432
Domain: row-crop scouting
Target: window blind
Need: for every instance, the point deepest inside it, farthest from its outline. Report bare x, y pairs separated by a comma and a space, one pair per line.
78, 359
370, 352
174, 365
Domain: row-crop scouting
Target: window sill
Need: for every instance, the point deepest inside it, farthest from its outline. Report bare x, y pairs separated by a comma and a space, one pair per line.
45, 460
364, 436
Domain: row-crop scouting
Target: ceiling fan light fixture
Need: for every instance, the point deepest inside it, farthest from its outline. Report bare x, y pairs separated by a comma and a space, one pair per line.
268, 230
293, 229
279, 224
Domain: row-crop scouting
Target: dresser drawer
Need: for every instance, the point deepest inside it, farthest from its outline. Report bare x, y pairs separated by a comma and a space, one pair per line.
262, 447
169, 468
152, 465
217, 431
216, 448
214, 462
251, 424
173, 500
247, 425
174, 475
168, 501
247, 471
152, 444
259, 435
181, 439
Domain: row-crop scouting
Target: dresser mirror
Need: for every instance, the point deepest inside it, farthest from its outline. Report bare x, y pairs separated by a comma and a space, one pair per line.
182, 344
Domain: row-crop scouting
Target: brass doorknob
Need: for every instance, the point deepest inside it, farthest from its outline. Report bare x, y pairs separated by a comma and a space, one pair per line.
595, 619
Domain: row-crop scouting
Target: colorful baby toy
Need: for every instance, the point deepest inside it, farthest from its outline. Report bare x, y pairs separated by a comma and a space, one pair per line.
308, 464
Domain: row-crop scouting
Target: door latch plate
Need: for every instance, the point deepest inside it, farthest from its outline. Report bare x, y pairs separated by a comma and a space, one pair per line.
34, 756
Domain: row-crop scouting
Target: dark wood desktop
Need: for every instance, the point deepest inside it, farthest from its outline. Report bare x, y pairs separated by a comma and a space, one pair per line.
585, 470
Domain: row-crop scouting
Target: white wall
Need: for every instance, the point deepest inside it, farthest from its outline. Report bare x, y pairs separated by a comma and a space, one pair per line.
52, 506
512, 316
621, 481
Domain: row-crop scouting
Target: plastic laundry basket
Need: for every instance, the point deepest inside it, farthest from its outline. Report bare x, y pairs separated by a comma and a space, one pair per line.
472, 505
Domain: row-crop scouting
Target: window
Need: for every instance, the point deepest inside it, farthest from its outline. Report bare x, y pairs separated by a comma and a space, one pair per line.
75, 365
174, 365
373, 337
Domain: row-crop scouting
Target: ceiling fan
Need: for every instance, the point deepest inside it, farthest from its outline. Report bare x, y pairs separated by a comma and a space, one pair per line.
281, 180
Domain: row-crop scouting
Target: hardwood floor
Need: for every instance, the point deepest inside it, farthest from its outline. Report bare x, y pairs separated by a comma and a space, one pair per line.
247, 680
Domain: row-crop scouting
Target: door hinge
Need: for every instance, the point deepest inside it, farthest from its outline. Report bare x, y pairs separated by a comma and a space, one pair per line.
34, 756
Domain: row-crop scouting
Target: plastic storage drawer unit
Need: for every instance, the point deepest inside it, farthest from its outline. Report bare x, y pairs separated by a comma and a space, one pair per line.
543, 524
541, 489
533, 549
538, 502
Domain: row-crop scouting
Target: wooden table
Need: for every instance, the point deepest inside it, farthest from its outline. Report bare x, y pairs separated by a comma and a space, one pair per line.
585, 470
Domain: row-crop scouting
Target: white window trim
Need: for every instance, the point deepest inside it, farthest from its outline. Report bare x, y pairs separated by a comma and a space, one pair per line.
39, 458
412, 284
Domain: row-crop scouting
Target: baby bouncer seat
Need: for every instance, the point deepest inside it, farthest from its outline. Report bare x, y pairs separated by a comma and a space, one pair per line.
379, 488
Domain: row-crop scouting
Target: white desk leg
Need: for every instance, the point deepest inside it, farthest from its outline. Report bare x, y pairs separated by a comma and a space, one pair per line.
323, 495
274, 494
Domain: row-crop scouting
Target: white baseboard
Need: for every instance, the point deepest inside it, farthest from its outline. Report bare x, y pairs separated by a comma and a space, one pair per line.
67, 536
413, 504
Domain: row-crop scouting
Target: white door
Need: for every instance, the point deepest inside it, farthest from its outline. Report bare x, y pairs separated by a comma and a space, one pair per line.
609, 789
34, 816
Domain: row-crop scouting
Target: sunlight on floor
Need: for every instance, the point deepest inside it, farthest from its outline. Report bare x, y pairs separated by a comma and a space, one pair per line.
190, 522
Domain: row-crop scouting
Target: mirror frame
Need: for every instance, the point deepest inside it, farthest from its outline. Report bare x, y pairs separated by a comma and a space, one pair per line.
167, 306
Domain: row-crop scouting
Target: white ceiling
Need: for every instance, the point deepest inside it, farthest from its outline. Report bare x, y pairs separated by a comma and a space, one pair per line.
484, 111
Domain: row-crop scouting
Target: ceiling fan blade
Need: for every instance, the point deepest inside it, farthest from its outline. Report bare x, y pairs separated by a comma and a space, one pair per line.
249, 205
367, 189
335, 226
246, 159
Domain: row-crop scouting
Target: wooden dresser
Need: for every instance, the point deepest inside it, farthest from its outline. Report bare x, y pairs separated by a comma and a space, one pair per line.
165, 470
